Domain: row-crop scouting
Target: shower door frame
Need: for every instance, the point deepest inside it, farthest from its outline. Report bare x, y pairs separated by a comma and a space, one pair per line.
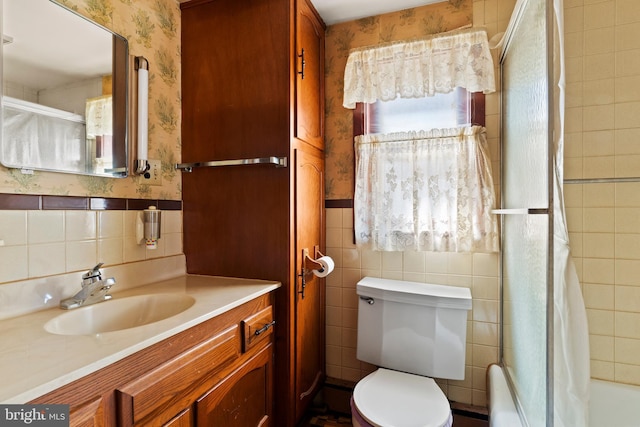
507, 38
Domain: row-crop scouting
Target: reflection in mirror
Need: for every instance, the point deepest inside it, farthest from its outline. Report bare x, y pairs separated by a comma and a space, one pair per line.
64, 87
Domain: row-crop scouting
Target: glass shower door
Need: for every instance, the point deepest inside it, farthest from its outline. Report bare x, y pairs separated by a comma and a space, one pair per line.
527, 220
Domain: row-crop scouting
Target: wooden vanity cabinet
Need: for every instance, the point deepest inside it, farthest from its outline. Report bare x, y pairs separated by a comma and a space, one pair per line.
201, 377
89, 414
168, 389
241, 399
244, 97
183, 419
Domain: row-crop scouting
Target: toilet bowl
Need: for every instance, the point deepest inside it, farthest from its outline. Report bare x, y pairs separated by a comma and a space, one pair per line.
413, 332
388, 398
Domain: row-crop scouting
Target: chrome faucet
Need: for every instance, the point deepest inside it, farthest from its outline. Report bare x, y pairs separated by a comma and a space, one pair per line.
94, 290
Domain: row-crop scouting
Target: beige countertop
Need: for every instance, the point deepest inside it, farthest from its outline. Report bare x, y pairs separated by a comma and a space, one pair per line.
34, 362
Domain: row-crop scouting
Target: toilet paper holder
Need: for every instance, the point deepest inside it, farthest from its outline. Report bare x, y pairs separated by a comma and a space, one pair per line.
311, 264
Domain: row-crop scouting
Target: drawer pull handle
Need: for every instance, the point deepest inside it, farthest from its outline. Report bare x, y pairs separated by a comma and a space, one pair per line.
264, 328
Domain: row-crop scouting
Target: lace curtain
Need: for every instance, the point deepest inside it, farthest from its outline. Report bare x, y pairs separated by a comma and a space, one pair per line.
99, 116
425, 191
420, 68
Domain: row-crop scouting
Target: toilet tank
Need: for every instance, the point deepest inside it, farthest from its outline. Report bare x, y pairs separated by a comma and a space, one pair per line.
413, 327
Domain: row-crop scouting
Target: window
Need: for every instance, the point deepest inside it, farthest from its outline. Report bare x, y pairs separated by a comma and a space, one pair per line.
456, 108
423, 177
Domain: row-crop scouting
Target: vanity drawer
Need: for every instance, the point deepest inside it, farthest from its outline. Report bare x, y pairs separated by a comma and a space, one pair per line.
168, 389
257, 328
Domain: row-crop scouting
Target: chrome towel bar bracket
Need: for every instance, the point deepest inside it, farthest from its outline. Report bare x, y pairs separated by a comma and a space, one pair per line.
280, 162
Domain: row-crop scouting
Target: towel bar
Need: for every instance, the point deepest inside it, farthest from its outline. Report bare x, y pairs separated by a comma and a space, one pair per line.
280, 162
523, 211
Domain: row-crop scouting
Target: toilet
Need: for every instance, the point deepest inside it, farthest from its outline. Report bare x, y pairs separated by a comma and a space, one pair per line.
412, 332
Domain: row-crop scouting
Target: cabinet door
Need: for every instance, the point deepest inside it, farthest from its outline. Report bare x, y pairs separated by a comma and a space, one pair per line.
243, 398
90, 414
183, 419
310, 306
310, 76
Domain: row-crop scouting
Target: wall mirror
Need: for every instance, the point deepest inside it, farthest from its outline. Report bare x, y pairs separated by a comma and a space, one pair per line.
64, 91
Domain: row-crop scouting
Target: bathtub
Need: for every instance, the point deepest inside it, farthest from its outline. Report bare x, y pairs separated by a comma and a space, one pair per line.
502, 409
611, 404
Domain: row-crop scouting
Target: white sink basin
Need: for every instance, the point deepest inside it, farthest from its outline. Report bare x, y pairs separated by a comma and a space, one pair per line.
118, 314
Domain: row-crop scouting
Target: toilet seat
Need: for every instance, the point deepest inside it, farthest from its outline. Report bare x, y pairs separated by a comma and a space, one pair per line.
388, 398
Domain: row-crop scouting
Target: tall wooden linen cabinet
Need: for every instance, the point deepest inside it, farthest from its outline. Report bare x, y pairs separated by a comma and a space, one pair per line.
253, 87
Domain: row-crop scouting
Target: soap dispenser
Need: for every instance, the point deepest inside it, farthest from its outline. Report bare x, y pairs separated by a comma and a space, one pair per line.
152, 220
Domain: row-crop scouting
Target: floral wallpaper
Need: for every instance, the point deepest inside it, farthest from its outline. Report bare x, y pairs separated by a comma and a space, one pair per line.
152, 28
340, 39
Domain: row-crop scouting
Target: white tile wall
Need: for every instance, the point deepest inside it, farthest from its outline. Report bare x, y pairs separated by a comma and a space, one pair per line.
42, 243
603, 51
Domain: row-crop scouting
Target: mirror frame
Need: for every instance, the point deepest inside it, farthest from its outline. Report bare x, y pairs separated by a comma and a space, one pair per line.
120, 92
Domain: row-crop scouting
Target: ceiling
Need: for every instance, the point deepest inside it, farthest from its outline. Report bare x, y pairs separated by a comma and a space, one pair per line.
334, 11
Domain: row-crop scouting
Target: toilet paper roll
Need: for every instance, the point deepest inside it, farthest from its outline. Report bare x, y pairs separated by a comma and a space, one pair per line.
327, 266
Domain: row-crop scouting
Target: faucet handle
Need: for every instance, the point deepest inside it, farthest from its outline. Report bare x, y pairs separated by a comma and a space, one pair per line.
92, 274
102, 287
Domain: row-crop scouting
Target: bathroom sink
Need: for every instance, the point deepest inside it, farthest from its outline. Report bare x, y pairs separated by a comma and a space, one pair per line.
119, 314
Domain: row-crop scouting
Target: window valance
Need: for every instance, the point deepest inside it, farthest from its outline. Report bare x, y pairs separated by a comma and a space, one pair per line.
420, 68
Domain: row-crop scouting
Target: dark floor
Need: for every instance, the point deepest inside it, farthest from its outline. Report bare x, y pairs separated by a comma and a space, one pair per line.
344, 420
460, 420
331, 409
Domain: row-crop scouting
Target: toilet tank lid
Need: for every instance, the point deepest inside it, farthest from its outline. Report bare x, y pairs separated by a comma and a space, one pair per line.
415, 293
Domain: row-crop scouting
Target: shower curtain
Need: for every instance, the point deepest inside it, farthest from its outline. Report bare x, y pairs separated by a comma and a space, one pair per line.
571, 371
